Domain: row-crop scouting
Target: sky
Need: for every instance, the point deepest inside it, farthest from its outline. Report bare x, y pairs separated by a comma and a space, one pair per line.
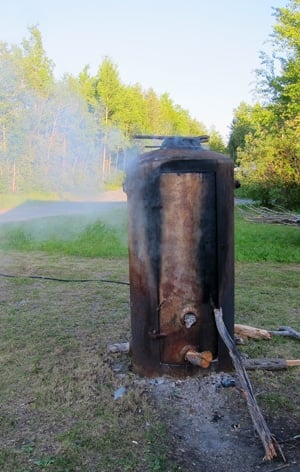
203, 53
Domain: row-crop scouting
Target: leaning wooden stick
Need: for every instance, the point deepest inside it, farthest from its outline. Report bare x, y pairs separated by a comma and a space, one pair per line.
270, 444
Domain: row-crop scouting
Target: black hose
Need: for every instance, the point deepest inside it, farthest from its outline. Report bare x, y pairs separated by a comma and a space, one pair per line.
55, 279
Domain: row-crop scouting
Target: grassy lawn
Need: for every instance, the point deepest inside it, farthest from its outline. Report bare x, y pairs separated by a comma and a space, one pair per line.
58, 411
257, 242
57, 380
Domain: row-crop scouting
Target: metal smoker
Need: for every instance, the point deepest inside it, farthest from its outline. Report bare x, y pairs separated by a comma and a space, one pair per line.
180, 225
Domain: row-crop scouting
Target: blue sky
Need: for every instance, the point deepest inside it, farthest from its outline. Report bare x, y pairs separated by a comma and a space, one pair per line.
203, 53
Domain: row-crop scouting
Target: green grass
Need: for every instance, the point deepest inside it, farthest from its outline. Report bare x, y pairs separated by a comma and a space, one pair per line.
58, 411
68, 236
267, 296
107, 237
257, 242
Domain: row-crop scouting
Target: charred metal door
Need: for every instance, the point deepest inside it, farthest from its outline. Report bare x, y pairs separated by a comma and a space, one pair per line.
188, 264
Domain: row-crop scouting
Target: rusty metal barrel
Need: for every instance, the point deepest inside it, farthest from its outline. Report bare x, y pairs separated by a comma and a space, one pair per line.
180, 230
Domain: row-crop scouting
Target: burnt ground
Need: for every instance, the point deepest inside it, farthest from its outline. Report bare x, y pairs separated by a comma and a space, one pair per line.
211, 428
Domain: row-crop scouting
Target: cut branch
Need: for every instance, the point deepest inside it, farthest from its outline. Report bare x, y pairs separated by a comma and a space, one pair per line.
270, 444
286, 331
246, 331
118, 347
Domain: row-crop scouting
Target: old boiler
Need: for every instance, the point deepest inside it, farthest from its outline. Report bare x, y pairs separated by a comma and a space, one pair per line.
180, 226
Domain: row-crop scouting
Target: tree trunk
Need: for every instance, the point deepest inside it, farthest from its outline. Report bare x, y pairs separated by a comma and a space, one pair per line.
13, 181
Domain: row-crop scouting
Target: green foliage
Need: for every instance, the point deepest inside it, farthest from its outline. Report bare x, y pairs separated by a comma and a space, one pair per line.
284, 85
176, 121
264, 139
240, 127
108, 87
48, 138
85, 84
72, 134
38, 69
153, 112
270, 166
216, 142
130, 116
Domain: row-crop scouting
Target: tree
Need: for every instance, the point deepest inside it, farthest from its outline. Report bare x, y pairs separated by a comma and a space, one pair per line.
25, 72
279, 78
153, 112
130, 116
175, 120
270, 165
108, 92
265, 137
37, 67
241, 126
216, 142
57, 134
85, 86
12, 100
108, 89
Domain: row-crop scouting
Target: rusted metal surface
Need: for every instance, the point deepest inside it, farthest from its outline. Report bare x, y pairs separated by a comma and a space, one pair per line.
187, 226
180, 218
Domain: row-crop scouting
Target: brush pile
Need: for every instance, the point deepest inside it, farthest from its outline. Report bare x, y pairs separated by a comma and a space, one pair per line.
276, 215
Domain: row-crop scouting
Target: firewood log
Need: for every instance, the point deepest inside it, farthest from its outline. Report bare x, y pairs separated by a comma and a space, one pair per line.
246, 331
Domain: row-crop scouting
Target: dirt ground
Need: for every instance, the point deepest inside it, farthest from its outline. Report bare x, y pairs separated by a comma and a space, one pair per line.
212, 430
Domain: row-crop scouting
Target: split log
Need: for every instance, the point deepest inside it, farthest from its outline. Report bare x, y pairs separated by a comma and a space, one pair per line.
251, 332
286, 331
270, 444
270, 364
201, 359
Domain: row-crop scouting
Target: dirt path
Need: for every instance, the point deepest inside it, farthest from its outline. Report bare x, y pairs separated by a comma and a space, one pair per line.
42, 209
